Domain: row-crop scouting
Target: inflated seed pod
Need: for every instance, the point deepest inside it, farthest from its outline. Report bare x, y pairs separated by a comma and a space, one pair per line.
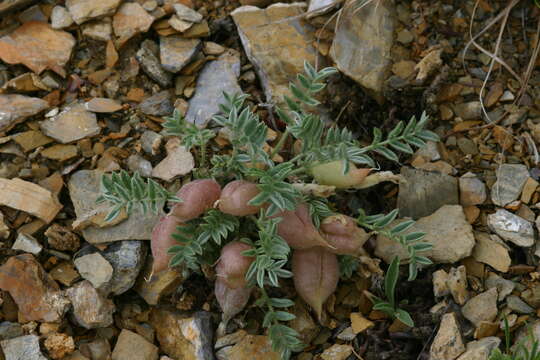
197, 197
332, 174
297, 229
235, 197
162, 240
232, 265
343, 233
316, 275
232, 301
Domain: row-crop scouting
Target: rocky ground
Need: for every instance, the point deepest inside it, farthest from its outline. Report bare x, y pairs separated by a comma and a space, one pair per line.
84, 86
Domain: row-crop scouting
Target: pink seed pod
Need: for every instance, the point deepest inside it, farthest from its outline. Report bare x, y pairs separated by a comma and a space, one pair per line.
332, 174
316, 275
297, 229
235, 197
343, 234
162, 240
232, 265
232, 301
197, 197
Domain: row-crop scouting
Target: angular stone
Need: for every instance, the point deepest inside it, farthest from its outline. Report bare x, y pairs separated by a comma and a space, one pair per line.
187, 14
178, 162
277, 41
182, 337
446, 223
159, 104
178, 24
127, 259
362, 43
60, 18
469, 111
150, 64
153, 287
9, 330
337, 352
103, 105
60, 152
30, 198
134, 347
65, 273
15, 108
447, 344
22, 347
176, 52
38, 46
90, 309
517, 305
37, 295
482, 307
472, 191
218, 76
481, 349
510, 181
84, 10
100, 30
151, 142
137, 163
130, 19
59, 345
440, 285
492, 253
511, 227
30, 140
72, 124
61, 238
27, 243
94, 268
84, 189
303, 323
422, 192
321, 7
504, 287
457, 284
253, 347
359, 323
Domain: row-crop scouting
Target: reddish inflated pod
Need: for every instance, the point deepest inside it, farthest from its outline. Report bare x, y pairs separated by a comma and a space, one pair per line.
232, 301
297, 229
343, 234
232, 265
235, 197
197, 197
316, 275
162, 240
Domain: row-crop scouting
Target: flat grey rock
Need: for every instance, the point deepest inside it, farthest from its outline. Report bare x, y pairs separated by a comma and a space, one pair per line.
510, 181
423, 192
511, 227
22, 348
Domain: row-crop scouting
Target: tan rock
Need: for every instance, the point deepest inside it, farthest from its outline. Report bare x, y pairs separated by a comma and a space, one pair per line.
4, 229
528, 190
29, 197
27, 82
448, 344
253, 347
84, 10
134, 347
90, 309
94, 268
152, 287
481, 349
175, 51
61, 238
130, 19
491, 252
359, 323
59, 345
103, 105
65, 273
32, 139
60, 152
361, 46
337, 352
482, 307
98, 30
429, 63
457, 284
404, 68
472, 191
440, 285
303, 323
72, 124
17, 108
178, 162
38, 46
37, 295
277, 41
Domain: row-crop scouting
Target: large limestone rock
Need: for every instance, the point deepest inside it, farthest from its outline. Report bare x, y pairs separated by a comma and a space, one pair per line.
362, 43
17, 108
447, 344
447, 230
277, 41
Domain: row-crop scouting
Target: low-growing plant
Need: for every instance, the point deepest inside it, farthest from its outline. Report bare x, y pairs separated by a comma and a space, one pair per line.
266, 207
390, 306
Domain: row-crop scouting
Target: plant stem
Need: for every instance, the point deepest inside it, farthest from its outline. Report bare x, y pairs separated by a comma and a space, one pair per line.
280, 143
